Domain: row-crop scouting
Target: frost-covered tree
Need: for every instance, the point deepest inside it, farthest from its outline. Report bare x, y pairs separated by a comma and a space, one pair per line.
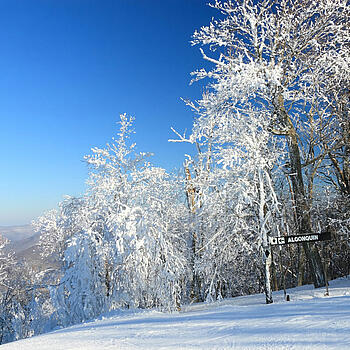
121, 244
7, 264
21, 315
335, 91
239, 208
81, 293
142, 217
267, 53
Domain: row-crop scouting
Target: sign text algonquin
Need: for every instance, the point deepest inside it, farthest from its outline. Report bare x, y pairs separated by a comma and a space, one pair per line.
325, 236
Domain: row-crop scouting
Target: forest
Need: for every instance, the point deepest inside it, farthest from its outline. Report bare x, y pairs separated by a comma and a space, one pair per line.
271, 140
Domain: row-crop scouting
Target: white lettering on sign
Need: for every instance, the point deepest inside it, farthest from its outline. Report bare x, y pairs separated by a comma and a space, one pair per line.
296, 239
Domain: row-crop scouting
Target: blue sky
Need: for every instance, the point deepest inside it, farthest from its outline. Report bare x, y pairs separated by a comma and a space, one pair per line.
68, 68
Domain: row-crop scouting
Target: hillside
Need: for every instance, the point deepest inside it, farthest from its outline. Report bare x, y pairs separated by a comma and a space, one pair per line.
309, 321
17, 233
23, 241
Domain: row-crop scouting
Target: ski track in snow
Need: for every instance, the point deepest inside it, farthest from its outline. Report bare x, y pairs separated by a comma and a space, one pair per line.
308, 321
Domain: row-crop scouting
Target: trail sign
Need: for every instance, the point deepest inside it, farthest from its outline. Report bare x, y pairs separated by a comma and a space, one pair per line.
312, 237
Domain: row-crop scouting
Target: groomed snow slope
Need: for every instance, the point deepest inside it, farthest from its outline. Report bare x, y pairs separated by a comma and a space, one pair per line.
308, 321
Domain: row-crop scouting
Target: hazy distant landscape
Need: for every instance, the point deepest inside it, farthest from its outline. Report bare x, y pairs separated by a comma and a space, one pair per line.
23, 242
17, 233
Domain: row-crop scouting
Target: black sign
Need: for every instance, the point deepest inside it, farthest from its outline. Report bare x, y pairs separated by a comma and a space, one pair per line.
312, 237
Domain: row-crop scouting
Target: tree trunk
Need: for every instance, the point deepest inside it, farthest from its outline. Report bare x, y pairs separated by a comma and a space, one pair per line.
266, 251
274, 272
301, 266
267, 285
303, 212
190, 194
301, 204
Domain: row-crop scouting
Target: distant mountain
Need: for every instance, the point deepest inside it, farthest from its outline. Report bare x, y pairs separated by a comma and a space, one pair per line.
30, 251
19, 246
17, 233
24, 243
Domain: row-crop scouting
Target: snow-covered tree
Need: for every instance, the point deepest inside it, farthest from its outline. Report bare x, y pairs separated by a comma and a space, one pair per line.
122, 244
20, 316
238, 207
141, 215
267, 53
7, 263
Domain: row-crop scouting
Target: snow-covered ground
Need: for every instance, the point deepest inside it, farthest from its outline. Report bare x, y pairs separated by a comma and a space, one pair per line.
309, 321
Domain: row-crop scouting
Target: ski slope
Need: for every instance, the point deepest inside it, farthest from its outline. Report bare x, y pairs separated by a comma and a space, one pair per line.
309, 321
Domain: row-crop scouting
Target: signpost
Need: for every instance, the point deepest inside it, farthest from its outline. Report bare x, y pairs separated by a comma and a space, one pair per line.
312, 237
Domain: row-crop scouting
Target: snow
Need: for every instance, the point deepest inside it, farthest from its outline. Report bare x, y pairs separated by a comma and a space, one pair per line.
309, 321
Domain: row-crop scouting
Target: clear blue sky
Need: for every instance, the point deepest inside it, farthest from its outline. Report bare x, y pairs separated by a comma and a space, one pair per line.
68, 68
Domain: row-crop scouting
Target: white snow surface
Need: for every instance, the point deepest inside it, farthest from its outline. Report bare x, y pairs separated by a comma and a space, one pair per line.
309, 321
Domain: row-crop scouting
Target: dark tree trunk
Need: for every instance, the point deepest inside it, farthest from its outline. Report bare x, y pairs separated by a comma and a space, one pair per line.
303, 212
301, 204
301, 266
